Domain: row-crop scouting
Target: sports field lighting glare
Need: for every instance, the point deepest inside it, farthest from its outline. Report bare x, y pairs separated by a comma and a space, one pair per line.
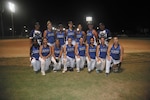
89, 19
12, 9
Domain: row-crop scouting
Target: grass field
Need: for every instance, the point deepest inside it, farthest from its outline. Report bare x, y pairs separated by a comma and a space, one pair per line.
19, 82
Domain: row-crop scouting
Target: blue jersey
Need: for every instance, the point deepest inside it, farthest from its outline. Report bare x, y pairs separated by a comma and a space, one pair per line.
71, 34
57, 51
61, 37
92, 51
45, 50
78, 36
70, 51
35, 52
50, 36
115, 52
81, 49
89, 35
103, 51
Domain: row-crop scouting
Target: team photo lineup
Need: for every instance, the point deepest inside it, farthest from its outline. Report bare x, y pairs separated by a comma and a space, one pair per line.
74, 49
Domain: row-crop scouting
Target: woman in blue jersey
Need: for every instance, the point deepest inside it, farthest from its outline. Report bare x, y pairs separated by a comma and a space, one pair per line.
61, 35
57, 50
114, 56
91, 55
101, 53
34, 55
91, 33
80, 33
45, 54
49, 34
70, 33
80, 50
69, 56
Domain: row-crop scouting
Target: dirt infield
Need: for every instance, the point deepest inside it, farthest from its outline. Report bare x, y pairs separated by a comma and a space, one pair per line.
20, 47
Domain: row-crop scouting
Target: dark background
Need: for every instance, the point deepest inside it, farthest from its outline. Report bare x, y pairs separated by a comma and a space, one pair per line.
130, 16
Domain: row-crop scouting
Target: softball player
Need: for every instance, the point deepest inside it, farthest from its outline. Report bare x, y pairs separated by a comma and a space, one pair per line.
104, 32
49, 34
101, 53
36, 33
91, 55
70, 33
80, 33
80, 50
91, 33
57, 50
45, 54
69, 56
114, 56
34, 55
60, 34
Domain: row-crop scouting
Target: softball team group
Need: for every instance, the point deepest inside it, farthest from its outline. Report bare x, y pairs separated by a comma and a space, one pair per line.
74, 49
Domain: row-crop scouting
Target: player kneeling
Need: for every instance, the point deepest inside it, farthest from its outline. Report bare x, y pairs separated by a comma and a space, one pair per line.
114, 56
57, 55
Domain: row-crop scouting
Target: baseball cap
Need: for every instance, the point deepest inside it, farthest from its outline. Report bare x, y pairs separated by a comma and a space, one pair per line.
37, 23
60, 25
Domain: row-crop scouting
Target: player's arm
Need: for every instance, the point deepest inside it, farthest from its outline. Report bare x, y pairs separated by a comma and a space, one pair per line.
30, 52
53, 54
40, 51
84, 35
76, 50
65, 51
108, 52
87, 52
60, 54
97, 51
50, 52
121, 53
44, 34
95, 34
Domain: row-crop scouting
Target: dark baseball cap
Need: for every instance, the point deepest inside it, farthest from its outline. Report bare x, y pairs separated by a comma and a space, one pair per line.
37, 23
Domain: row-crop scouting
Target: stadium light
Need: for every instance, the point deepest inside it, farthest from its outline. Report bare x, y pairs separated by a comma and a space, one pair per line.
12, 9
89, 19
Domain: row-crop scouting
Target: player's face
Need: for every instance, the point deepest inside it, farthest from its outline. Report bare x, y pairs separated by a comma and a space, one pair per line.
81, 40
49, 26
90, 26
102, 27
69, 41
102, 40
45, 41
70, 25
37, 27
79, 27
115, 40
92, 41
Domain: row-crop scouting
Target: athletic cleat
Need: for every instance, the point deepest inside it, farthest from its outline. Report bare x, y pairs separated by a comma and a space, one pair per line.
78, 71
107, 74
97, 71
43, 73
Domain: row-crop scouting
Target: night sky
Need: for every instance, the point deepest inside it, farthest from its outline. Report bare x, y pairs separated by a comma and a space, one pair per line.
117, 15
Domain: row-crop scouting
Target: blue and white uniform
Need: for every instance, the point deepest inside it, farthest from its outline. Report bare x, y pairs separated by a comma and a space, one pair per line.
81, 60
90, 35
79, 34
102, 56
36, 34
57, 65
61, 36
115, 57
35, 58
45, 63
71, 34
92, 54
70, 57
50, 37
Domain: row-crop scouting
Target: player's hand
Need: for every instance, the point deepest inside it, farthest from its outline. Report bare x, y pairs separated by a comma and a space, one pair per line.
108, 57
